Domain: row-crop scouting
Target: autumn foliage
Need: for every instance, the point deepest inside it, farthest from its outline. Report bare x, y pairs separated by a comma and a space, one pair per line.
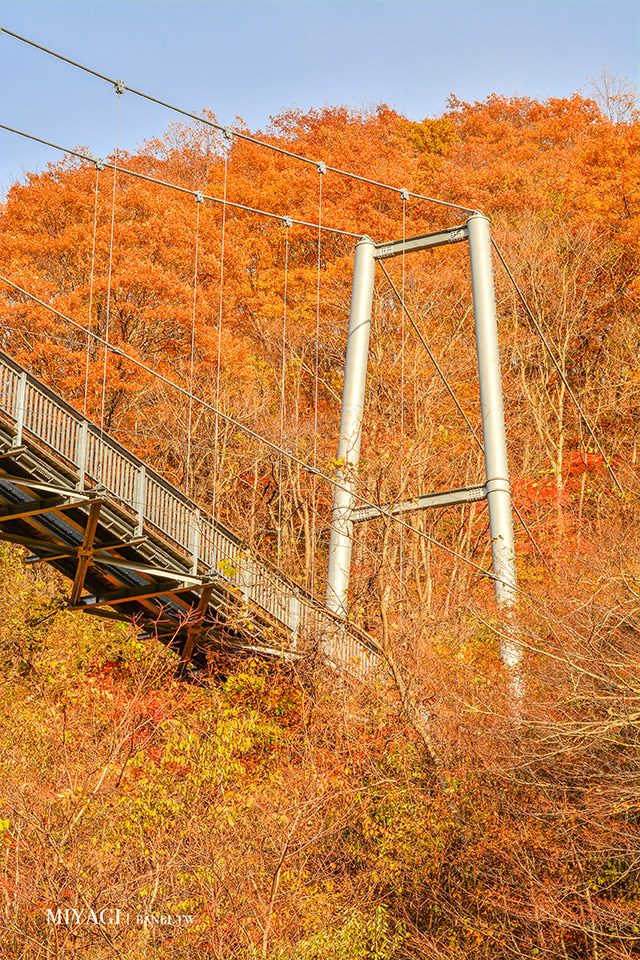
293, 816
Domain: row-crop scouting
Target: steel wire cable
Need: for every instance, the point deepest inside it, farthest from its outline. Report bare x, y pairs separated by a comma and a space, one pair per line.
219, 344
453, 396
80, 343
165, 440
402, 411
120, 85
282, 218
193, 342
93, 262
559, 370
481, 571
431, 355
283, 383
108, 310
285, 219
316, 354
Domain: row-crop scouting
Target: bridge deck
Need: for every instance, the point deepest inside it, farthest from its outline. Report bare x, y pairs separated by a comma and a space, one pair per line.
137, 549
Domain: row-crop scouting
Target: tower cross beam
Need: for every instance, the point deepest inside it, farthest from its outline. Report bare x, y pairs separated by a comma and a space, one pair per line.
427, 241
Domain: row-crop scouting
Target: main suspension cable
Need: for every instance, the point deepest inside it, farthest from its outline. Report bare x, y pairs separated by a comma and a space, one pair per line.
174, 186
229, 130
261, 439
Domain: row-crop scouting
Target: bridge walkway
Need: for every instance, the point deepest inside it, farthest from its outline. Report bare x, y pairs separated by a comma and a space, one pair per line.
136, 549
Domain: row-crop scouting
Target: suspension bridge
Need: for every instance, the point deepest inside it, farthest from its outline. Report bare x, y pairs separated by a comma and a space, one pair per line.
137, 548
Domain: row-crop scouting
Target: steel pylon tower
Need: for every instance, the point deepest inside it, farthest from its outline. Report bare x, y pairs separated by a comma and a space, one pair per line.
496, 489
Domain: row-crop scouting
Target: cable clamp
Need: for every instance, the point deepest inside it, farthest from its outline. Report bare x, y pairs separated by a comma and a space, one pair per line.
120, 87
404, 194
199, 196
287, 222
227, 132
99, 163
322, 167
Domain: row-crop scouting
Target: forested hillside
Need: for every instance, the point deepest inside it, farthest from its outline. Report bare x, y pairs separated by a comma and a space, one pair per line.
292, 814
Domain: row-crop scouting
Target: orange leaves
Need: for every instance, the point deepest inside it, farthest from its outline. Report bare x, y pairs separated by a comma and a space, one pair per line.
559, 180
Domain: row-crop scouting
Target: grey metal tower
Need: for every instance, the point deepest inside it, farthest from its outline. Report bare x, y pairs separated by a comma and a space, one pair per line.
496, 489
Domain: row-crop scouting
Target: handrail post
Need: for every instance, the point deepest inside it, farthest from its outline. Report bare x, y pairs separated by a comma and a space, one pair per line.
194, 539
140, 496
294, 617
246, 577
355, 374
82, 453
20, 408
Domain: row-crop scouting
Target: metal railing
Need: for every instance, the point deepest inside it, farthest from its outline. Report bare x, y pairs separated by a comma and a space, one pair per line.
101, 460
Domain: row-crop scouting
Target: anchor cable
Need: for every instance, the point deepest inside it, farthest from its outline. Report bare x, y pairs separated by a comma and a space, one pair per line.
453, 396
607, 460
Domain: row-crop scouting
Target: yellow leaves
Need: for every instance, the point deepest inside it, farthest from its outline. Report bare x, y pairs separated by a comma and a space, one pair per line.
227, 567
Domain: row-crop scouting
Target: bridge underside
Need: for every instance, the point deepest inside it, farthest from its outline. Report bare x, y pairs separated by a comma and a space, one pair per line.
117, 572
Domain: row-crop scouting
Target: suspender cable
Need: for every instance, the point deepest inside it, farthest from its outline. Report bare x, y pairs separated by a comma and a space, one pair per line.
314, 505
93, 263
401, 548
108, 310
559, 370
283, 383
219, 354
193, 341
224, 202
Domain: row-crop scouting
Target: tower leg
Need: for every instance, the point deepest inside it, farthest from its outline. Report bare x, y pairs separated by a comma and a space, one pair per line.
355, 374
493, 427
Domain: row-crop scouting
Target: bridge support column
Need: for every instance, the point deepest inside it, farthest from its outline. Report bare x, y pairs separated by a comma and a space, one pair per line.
493, 426
355, 375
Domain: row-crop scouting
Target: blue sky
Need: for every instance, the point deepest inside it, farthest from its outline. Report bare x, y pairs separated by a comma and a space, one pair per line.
254, 59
